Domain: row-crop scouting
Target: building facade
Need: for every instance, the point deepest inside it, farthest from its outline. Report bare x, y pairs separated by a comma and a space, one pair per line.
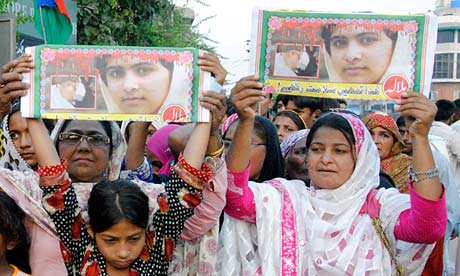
446, 71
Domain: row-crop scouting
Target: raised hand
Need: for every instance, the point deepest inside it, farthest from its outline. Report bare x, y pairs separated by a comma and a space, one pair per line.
245, 95
211, 63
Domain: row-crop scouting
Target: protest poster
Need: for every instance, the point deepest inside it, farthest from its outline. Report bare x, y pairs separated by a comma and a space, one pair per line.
343, 55
115, 83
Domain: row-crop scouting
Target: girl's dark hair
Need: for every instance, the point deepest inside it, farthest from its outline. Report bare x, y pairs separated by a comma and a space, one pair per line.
105, 125
333, 121
326, 33
295, 117
112, 201
12, 229
273, 166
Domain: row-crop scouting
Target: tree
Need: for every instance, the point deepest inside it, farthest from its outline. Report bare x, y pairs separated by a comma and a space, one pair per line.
155, 23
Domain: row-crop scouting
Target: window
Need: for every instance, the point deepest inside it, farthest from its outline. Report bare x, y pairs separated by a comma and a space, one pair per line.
446, 36
458, 66
443, 66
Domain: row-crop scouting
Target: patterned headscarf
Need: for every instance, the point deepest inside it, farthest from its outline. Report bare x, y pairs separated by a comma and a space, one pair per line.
383, 120
292, 139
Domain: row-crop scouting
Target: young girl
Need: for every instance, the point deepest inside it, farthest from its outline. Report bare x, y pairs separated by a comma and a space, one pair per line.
118, 241
14, 247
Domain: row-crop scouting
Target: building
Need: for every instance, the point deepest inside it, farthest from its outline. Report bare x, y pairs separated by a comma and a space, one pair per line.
446, 73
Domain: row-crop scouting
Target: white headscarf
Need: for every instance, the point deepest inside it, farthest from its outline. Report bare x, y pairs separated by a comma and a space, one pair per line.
321, 231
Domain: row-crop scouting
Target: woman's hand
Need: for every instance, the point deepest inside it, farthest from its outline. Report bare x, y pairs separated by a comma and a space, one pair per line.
11, 85
420, 108
245, 95
216, 103
210, 63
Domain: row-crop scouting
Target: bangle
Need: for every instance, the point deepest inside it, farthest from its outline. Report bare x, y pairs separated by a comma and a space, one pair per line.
216, 153
414, 176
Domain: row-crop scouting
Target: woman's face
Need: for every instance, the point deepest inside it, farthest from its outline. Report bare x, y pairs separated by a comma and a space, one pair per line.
359, 55
284, 126
384, 141
137, 86
330, 158
258, 150
86, 161
19, 133
121, 245
296, 167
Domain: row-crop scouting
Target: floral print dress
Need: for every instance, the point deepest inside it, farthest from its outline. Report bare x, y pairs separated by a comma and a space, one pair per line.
79, 251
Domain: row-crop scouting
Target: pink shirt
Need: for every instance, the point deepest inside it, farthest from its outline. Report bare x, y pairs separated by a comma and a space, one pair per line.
419, 224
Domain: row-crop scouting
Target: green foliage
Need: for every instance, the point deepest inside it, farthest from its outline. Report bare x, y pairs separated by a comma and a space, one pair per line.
153, 23
21, 18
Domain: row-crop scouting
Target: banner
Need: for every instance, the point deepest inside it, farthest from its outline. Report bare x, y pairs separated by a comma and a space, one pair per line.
115, 83
343, 55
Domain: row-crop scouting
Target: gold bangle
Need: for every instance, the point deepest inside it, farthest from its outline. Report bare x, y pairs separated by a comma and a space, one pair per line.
216, 153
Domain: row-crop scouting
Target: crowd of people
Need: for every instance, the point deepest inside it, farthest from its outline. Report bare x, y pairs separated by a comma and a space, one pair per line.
270, 186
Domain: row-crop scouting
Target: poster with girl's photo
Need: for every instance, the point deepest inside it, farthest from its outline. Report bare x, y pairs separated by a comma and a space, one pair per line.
115, 83
343, 55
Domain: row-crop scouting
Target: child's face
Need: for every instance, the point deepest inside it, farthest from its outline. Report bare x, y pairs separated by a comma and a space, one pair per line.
137, 86
121, 244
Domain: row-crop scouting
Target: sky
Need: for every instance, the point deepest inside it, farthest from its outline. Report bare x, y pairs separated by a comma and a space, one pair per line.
231, 26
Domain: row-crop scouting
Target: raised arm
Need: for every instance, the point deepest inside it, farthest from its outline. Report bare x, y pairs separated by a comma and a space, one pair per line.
240, 199
426, 220
423, 111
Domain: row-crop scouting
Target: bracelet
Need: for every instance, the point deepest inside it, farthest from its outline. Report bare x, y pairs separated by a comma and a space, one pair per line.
413, 175
216, 153
205, 174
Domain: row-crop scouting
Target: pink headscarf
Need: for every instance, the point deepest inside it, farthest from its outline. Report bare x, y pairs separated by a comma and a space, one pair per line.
158, 145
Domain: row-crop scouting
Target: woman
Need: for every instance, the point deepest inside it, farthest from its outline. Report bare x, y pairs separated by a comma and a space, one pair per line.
158, 148
125, 257
294, 151
264, 150
287, 122
390, 145
357, 54
334, 219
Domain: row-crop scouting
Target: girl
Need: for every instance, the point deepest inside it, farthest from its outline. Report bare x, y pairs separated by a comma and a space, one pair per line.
287, 122
14, 247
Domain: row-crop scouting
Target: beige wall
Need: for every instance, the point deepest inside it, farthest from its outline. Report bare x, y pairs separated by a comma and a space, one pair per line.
449, 91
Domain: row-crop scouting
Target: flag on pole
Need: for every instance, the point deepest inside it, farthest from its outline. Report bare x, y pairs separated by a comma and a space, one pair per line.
52, 21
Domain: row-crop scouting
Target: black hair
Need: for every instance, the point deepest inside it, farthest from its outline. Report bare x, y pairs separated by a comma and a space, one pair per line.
326, 33
102, 61
333, 121
273, 166
457, 103
327, 104
105, 125
342, 101
112, 201
280, 97
294, 116
400, 121
12, 229
446, 109
303, 102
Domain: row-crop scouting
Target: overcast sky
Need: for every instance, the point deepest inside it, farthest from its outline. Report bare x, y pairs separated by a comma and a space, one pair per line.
231, 26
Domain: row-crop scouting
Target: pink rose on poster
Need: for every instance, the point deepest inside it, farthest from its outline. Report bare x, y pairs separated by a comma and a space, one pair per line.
47, 54
269, 89
185, 57
410, 27
275, 23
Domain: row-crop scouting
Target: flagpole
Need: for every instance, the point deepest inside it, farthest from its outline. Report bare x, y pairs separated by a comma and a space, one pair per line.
43, 25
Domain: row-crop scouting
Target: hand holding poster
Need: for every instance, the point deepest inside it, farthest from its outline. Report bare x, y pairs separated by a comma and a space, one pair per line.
115, 83
352, 56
